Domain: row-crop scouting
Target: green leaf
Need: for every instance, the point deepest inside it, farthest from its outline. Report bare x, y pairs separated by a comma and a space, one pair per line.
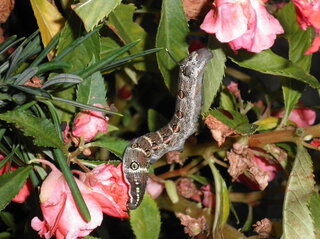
292, 91
79, 56
145, 220
270, 63
93, 11
42, 130
92, 90
76, 194
107, 45
172, 32
222, 207
297, 218
314, 205
155, 120
299, 42
113, 144
171, 189
8, 219
227, 100
238, 122
11, 183
121, 22
213, 75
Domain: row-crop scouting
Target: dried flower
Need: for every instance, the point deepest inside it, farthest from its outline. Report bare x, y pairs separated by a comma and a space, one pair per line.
263, 228
218, 129
193, 226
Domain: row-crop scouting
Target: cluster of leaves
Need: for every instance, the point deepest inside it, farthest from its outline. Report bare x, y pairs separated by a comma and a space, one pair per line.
83, 57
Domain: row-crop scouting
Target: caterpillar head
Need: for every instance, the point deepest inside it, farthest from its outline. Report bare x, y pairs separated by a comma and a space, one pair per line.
135, 168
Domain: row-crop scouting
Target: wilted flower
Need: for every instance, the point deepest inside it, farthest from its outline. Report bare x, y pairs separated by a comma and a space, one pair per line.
218, 129
88, 123
108, 188
61, 217
195, 9
243, 24
193, 226
188, 189
6, 6
253, 170
263, 228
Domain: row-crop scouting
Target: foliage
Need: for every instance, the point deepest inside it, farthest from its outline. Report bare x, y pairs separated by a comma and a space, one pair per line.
120, 58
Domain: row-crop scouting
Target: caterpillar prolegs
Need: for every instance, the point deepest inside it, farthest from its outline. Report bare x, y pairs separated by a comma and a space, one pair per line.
148, 148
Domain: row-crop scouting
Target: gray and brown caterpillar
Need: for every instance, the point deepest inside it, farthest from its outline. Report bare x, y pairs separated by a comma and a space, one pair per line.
148, 148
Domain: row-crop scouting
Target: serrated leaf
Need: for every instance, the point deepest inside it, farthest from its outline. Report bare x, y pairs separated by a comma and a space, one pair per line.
121, 22
222, 206
93, 11
227, 101
11, 183
314, 205
42, 130
155, 120
49, 19
238, 122
297, 218
213, 75
171, 35
79, 57
299, 42
270, 63
113, 144
92, 90
145, 220
292, 91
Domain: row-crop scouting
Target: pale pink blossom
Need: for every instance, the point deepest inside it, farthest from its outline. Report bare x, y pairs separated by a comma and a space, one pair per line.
308, 15
27, 186
154, 188
88, 123
303, 117
61, 217
108, 188
243, 24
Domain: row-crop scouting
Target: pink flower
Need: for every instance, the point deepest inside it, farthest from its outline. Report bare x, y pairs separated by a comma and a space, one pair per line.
208, 197
243, 24
26, 188
108, 188
61, 217
308, 15
87, 124
303, 116
154, 188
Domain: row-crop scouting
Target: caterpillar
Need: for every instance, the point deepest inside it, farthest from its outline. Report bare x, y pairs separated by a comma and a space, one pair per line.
148, 148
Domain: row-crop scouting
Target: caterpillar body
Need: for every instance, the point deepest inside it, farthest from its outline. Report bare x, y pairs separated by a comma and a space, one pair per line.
148, 148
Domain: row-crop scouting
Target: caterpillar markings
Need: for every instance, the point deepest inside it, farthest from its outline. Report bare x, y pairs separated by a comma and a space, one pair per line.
148, 148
